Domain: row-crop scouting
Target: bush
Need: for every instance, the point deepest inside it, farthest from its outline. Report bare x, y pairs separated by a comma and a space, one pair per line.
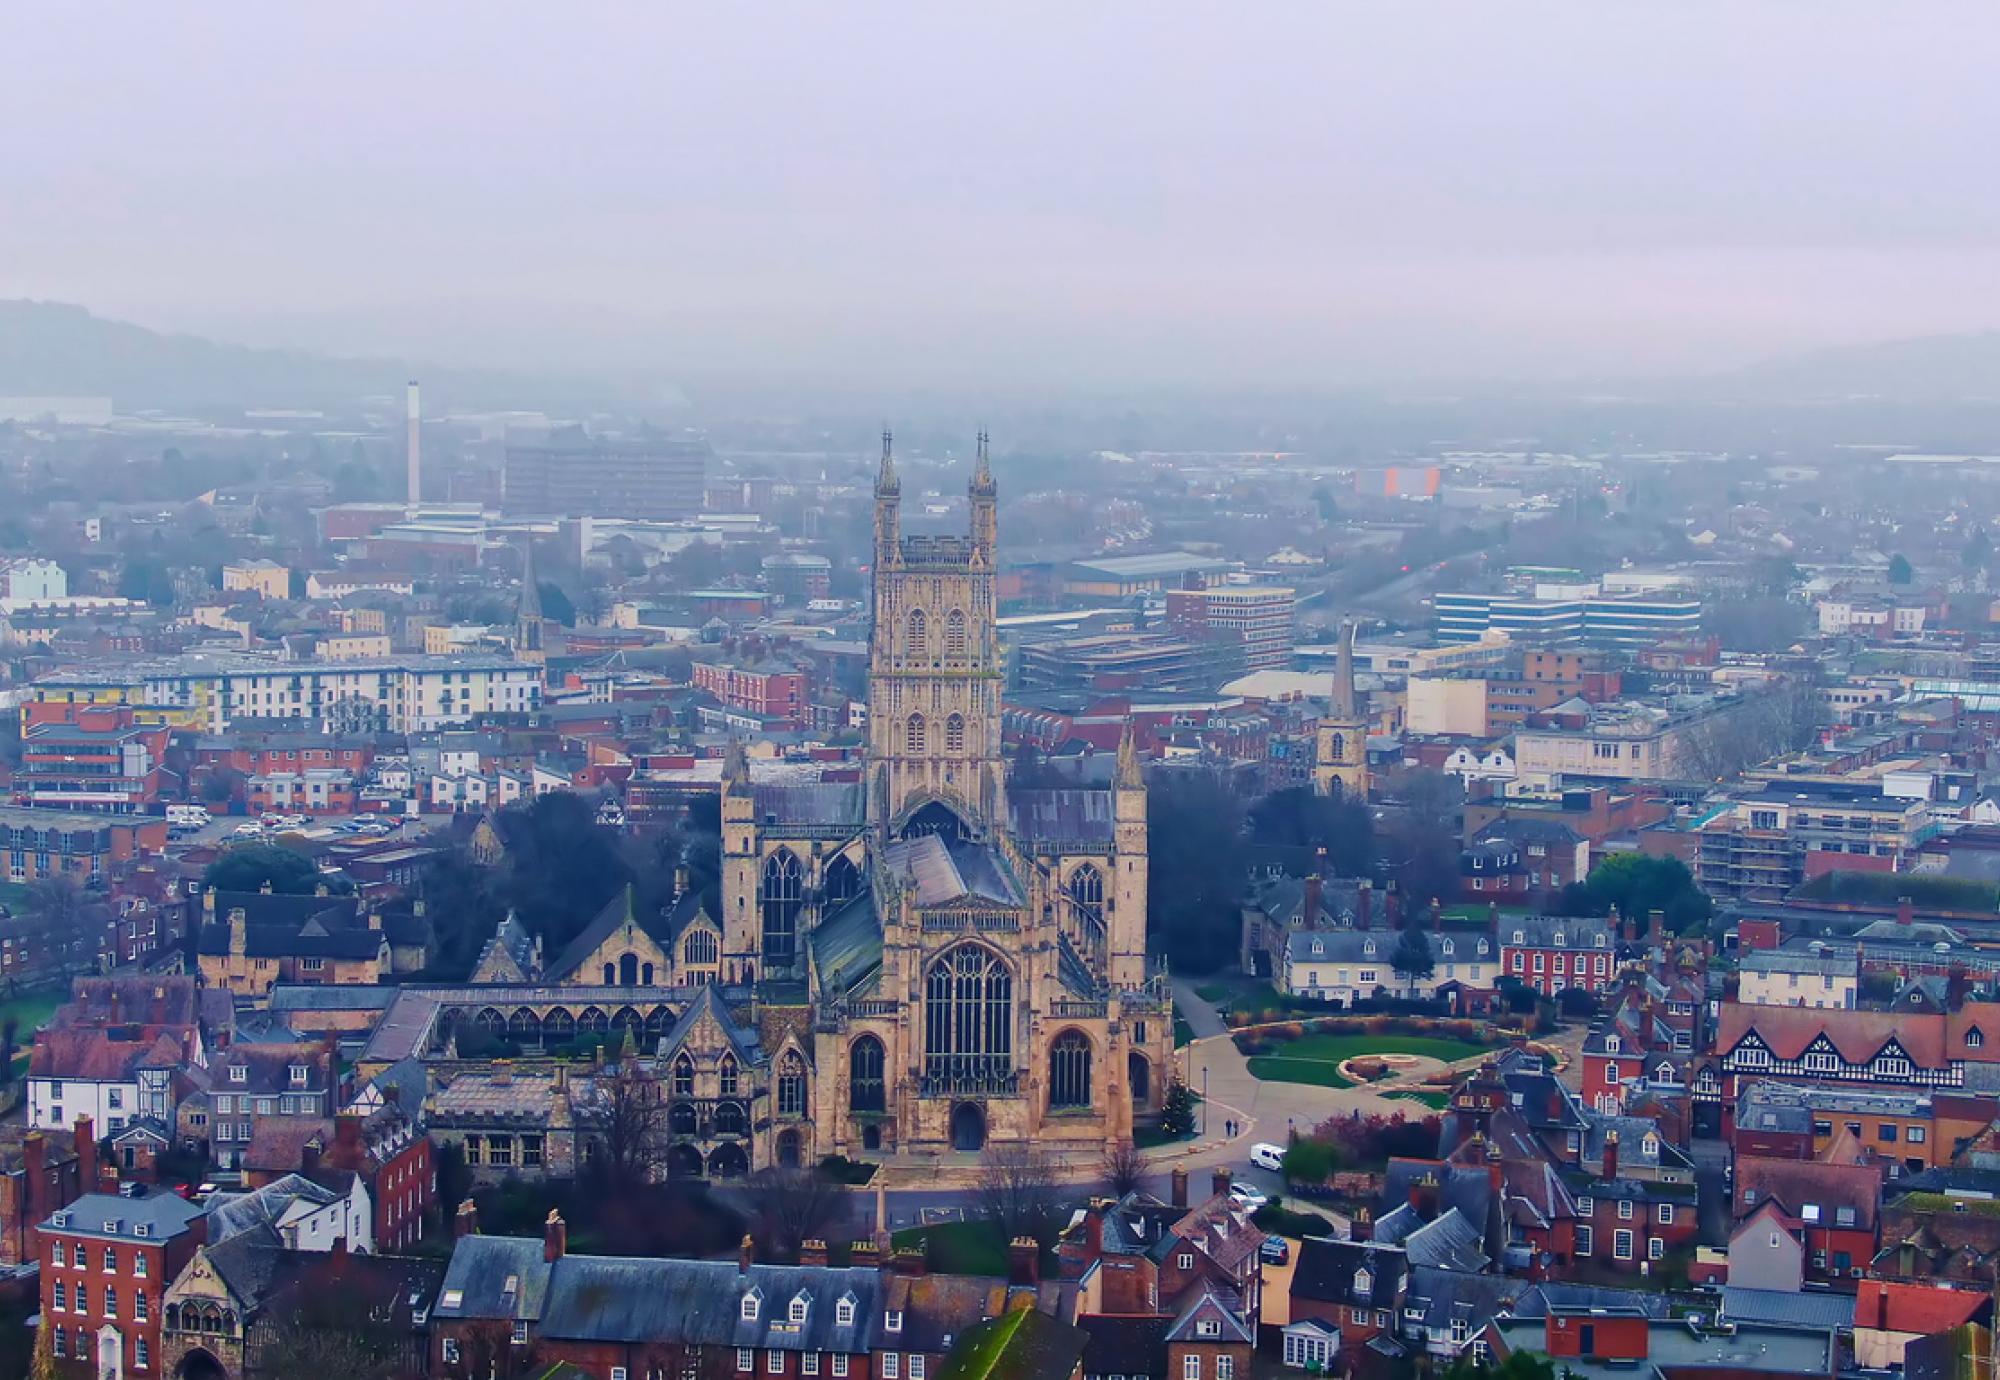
1284, 1221
841, 1169
1311, 1161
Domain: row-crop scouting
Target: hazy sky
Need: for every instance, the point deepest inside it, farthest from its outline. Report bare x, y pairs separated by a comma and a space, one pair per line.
1161, 193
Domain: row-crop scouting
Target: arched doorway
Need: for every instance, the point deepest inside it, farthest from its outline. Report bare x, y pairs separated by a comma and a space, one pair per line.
684, 1162
788, 1149
1139, 1073
871, 1137
935, 817
199, 1364
728, 1162
968, 1127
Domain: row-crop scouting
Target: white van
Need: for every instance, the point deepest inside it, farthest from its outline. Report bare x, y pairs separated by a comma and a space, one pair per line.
188, 817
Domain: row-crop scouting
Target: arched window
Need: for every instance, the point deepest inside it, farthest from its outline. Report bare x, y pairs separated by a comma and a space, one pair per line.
968, 1019
954, 636
681, 1120
784, 892
792, 1086
954, 734
1069, 1070
917, 642
646, 974
628, 970
728, 1076
1339, 747
729, 1120
843, 881
700, 948
684, 1077
610, 976
913, 736
866, 1091
1087, 903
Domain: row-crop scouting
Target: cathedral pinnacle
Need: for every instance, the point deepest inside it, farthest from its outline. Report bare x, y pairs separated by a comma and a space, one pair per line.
885, 478
1128, 775
1342, 700
982, 473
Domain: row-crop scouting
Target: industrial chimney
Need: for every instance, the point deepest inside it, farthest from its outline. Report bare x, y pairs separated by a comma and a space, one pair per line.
416, 443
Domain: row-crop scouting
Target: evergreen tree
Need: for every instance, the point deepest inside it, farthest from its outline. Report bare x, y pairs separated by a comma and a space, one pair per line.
1177, 1113
1900, 571
1414, 958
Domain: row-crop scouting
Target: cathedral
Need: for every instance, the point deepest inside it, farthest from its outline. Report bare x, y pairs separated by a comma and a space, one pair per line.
923, 960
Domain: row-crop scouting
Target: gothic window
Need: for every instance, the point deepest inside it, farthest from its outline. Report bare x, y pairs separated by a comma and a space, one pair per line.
1086, 894
918, 638
913, 736
783, 895
843, 881
954, 636
968, 1018
792, 1086
684, 1077
866, 1091
954, 734
1069, 1070
700, 947
1339, 747
628, 970
728, 1076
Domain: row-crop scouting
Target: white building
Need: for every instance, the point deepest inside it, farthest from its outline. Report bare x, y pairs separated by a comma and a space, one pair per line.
1345, 966
1789, 977
31, 580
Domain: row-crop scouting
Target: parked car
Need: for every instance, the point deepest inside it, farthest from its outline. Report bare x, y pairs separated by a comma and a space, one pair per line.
1268, 1156
249, 829
1248, 1197
1275, 1251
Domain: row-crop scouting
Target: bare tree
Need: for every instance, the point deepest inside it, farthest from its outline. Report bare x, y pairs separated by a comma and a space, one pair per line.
1017, 1191
631, 1116
793, 1206
1124, 1168
331, 1328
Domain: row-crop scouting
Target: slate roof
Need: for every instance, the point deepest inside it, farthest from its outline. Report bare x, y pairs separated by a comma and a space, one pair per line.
1561, 1296
743, 1039
231, 1213
1339, 946
1445, 1296
940, 872
247, 1261
847, 945
1211, 1305
1122, 1344
1060, 816
1327, 1268
112, 1218
1784, 1308
835, 806
1448, 1241
1545, 932
479, 1269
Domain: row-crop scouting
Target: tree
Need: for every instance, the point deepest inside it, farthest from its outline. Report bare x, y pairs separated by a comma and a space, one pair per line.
328, 1326
1195, 871
1638, 885
221, 785
1978, 552
633, 1125
1177, 1111
1900, 571
1017, 1191
148, 581
1413, 957
1124, 1168
793, 1206
561, 867
1299, 817
45, 1365
248, 866
556, 604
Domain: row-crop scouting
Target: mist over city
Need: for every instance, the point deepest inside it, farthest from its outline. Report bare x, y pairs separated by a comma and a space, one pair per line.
1029, 693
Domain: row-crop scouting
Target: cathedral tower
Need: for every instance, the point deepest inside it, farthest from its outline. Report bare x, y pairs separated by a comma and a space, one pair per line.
934, 668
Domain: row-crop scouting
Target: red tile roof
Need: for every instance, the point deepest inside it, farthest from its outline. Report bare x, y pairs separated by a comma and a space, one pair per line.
1932, 1040
1881, 1305
1799, 1184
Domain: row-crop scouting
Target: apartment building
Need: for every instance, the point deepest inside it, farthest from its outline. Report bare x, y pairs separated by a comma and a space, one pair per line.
1765, 840
104, 759
1255, 620
412, 694
106, 1262
267, 578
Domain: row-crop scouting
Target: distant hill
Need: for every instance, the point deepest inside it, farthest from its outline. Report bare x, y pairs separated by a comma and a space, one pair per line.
1947, 368
56, 348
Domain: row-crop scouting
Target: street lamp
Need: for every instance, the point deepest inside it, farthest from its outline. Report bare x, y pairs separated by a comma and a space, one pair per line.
1204, 1099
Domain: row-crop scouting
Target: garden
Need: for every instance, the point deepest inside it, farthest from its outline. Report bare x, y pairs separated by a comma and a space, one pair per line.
1313, 1052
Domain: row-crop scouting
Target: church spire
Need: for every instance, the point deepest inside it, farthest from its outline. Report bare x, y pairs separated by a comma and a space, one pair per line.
528, 618
1342, 701
982, 472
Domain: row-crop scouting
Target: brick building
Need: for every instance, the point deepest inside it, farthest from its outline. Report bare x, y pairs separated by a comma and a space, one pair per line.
103, 759
106, 1261
1552, 952
40, 1171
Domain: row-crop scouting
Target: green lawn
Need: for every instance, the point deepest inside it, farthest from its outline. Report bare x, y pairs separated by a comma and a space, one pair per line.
32, 1010
1316, 1059
1213, 991
1434, 1100
1183, 1032
959, 1248
1475, 913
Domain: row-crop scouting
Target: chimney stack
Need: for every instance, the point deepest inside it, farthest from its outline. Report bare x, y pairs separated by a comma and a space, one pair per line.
1180, 1181
239, 933
555, 1237
1364, 904
746, 1252
1656, 927
813, 1252
1219, 1180
864, 1255
1906, 911
416, 463
309, 1157
911, 1262
34, 1149
1610, 1155
466, 1223
1309, 907
1024, 1262
86, 1154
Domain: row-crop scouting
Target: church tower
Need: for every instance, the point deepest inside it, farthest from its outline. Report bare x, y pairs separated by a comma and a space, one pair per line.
1340, 742
934, 668
528, 617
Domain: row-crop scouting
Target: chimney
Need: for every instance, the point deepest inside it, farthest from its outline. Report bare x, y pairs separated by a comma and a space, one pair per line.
1093, 1226
375, 920
34, 1153
239, 933
415, 456
680, 880
1024, 1262
746, 1252
1309, 907
864, 1255
909, 1261
1180, 1181
466, 1223
1610, 1155
339, 1251
320, 889
813, 1252
1364, 905
309, 1157
1906, 911
208, 901
264, 887
1656, 926
1219, 1180
347, 1130
86, 1154
555, 1237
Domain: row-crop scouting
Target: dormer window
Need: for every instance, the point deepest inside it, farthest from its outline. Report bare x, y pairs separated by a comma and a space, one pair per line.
1319, 947
1368, 949
1650, 1146
1599, 941
1610, 1044
1446, 948
801, 1301
298, 1075
1364, 1283
748, 1312
1208, 1327
1560, 941
843, 1312
1482, 948
1973, 1039
894, 1322
1520, 936
239, 1073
